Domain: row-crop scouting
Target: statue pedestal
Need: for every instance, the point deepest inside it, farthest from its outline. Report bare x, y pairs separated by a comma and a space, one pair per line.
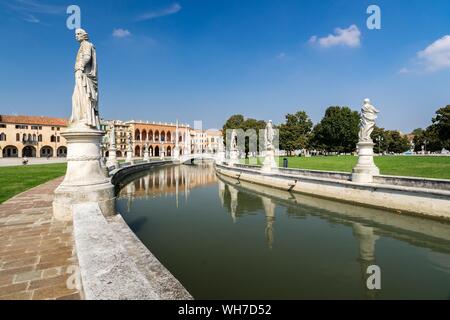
129, 156
146, 156
234, 158
220, 157
112, 159
366, 168
176, 152
85, 180
269, 162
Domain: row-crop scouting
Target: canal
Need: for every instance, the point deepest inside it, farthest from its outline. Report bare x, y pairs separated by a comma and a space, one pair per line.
223, 239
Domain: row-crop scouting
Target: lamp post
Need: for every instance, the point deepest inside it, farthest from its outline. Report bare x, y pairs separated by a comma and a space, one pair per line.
425, 144
379, 139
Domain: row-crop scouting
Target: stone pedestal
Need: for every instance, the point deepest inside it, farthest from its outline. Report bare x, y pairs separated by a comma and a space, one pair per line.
146, 155
269, 162
234, 157
112, 159
220, 157
129, 156
366, 168
85, 180
176, 152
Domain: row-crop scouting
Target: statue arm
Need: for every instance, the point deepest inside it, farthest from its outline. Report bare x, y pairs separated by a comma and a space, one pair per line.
86, 56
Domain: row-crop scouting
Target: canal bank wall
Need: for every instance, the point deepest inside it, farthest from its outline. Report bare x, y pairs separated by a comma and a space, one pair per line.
114, 263
415, 196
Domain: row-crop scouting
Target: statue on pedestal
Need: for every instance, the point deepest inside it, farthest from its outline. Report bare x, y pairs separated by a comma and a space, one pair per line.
85, 180
365, 168
368, 117
269, 136
85, 93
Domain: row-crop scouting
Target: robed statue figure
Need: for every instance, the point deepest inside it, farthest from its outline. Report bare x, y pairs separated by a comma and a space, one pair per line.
85, 94
368, 117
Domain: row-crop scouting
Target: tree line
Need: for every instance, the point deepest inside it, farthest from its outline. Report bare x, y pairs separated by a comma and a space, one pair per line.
338, 130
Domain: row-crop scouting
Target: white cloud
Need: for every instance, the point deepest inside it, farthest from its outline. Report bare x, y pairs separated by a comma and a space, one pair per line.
174, 8
31, 18
121, 33
350, 37
437, 55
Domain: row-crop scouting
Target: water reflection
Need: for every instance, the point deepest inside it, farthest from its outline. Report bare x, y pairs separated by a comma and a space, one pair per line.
306, 239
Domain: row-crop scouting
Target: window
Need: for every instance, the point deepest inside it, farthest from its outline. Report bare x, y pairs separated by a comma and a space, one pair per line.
58, 139
2, 137
40, 127
53, 128
2, 125
34, 128
21, 126
57, 128
17, 137
40, 138
53, 139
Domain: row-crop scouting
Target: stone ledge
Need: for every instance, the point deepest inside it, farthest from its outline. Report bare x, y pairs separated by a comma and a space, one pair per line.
431, 203
109, 270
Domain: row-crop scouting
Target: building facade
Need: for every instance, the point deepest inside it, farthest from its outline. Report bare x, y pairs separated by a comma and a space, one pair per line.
31, 136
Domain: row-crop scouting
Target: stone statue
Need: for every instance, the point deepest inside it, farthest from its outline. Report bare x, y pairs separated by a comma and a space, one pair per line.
368, 117
129, 138
85, 94
233, 140
269, 136
112, 139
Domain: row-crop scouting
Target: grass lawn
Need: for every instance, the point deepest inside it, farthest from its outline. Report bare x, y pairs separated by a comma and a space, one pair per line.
428, 167
14, 180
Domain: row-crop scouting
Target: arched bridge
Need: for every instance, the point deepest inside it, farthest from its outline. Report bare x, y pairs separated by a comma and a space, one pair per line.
197, 156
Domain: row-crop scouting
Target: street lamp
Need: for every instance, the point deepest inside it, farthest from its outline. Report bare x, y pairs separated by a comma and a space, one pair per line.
425, 145
379, 139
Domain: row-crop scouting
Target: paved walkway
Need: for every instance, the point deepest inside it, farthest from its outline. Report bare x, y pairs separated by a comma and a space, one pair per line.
37, 253
10, 162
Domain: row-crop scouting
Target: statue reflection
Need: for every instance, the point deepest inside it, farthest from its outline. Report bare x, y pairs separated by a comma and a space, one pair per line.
269, 208
234, 201
366, 238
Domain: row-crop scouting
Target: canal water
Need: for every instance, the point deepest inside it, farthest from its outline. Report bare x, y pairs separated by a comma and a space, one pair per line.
223, 239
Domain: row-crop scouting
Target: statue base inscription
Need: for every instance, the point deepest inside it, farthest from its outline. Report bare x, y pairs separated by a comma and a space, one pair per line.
366, 168
85, 180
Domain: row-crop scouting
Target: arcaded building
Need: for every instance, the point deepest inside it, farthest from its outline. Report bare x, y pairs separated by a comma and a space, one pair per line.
32, 136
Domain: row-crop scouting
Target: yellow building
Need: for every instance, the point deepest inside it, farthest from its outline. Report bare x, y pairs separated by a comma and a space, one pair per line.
30, 136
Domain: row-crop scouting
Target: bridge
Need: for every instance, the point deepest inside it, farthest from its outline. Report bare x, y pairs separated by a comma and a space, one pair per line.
185, 158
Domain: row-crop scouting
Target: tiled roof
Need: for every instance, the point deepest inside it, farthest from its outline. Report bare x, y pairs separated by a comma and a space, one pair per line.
34, 120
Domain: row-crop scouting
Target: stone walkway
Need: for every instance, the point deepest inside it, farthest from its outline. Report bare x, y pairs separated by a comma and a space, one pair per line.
37, 253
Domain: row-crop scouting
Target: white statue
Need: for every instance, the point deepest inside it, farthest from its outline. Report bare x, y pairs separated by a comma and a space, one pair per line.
269, 136
85, 94
112, 138
368, 117
233, 140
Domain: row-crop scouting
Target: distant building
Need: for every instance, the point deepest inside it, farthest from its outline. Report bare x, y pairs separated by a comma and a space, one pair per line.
32, 136
160, 137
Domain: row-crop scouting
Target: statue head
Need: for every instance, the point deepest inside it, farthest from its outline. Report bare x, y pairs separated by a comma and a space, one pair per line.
81, 35
367, 101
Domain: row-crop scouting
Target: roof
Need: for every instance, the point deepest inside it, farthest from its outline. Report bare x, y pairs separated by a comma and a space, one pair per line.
34, 120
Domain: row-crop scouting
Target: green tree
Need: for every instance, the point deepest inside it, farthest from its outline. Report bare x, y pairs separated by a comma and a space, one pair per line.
238, 121
397, 142
337, 131
294, 134
441, 126
381, 140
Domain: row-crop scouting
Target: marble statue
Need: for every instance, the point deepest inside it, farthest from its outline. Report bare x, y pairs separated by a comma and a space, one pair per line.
368, 117
269, 135
112, 137
85, 94
233, 140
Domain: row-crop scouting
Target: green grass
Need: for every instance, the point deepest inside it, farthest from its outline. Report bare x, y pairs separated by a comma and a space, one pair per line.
427, 167
14, 180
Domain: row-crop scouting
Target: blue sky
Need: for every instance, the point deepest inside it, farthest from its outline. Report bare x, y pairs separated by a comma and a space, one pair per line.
206, 60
